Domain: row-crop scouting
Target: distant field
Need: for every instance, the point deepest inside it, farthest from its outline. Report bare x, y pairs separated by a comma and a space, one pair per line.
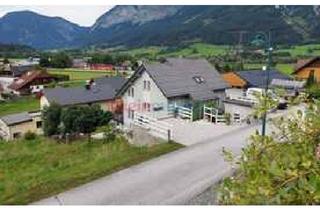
284, 68
34, 169
78, 74
197, 49
23, 104
303, 50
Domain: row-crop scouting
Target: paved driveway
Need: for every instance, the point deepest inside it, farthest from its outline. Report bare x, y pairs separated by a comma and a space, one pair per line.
189, 133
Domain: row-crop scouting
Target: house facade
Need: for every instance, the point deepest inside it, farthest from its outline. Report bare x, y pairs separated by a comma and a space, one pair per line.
176, 85
306, 68
14, 126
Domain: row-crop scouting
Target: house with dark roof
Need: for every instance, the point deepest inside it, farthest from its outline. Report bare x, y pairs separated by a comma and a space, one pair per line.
14, 126
239, 102
102, 91
252, 78
23, 84
185, 84
307, 67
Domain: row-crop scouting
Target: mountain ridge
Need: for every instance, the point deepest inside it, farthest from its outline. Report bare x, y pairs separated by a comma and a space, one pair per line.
135, 26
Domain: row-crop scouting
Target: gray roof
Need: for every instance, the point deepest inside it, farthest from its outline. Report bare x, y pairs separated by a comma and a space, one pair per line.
289, 84
13, 119
175, 77
104, 89
257, 78
19, 70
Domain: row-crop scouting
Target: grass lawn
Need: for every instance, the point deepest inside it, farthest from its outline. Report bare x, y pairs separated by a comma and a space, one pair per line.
286, 68
36, 169
76, 74
19, 105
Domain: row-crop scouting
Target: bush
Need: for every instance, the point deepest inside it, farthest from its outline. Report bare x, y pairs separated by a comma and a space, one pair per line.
30, 135
280, 169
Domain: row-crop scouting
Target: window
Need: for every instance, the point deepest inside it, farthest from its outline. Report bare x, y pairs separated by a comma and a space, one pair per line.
16, 135
149, 85
198, 79
146, 85
39, 124
146, 107
131, 92
131, 114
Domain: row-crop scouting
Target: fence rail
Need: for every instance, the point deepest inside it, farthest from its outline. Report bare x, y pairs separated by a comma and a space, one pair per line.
161, 129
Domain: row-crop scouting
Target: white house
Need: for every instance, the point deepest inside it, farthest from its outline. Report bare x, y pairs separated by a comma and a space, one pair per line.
157, 90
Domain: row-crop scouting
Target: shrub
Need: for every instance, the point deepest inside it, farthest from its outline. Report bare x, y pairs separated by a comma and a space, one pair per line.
30, 135
280, 169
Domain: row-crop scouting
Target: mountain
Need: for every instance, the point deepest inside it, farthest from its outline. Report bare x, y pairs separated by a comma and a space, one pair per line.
39, 31
172, 25
135, 26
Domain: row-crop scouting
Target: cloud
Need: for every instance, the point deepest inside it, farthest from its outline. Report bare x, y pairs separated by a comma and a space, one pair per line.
84, 15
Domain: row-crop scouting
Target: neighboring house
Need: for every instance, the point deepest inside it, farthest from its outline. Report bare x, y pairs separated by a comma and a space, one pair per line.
181, 84
305, 68
102, 92
5, 82
19, 70
14, 126
238, 101
80, 63
26, 83
101, 66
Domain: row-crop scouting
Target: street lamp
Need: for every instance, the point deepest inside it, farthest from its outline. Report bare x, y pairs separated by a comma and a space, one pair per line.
265, 38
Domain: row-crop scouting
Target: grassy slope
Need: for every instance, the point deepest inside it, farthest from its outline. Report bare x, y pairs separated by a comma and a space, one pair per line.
19, 105
31, 170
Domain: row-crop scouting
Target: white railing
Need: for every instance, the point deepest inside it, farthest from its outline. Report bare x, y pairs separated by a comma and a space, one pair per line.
241, 98
161, 129
213, 114
183, 112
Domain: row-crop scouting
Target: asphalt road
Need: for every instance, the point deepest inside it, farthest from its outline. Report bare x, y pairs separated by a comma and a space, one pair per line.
174, 178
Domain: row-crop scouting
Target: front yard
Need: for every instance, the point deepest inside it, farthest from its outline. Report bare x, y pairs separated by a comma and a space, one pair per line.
35, 169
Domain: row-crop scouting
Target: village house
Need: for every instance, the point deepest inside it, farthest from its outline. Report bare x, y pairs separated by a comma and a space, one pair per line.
307, 67
101, 66
175, 86
240, 98
102, 91
31, 82
14, 126
80, 63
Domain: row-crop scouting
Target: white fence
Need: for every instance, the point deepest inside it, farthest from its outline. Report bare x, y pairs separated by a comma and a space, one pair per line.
213, 115
156, 127
182, 112
241, 98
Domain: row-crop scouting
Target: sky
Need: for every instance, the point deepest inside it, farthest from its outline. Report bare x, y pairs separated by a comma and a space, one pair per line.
83, 15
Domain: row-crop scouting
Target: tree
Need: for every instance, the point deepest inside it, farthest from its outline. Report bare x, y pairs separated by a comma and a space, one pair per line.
60, 60
282, 168
51, 119
6, 60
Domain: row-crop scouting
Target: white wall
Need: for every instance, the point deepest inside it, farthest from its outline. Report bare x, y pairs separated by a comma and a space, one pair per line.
154, 96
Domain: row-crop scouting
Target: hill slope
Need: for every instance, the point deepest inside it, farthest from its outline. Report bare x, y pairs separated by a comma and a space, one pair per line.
171, 25
39, 31
136, 26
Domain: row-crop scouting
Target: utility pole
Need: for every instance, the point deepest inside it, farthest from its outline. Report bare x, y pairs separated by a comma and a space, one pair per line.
267, 69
